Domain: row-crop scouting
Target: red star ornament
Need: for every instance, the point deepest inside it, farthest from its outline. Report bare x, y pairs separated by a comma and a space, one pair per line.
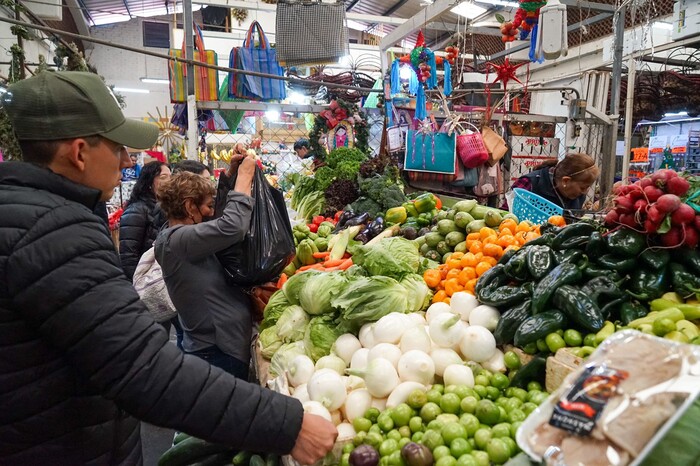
505, 72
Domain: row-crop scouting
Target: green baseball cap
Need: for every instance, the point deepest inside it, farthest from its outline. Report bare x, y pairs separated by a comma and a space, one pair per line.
72, 104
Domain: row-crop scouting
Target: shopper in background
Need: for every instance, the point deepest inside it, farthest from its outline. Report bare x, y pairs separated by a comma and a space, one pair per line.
82, 358
565, 183
303, 149
216, 316
132, 172
141, 221
192, 166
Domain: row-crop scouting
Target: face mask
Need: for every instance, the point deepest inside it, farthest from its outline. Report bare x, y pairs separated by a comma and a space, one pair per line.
205, 218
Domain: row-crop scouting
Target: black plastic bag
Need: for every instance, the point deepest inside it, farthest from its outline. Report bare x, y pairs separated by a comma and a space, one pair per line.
269, 245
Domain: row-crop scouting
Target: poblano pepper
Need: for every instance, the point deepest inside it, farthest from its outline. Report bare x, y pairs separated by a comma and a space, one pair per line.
596, 245
540, 260
573, 234
625, 242
647, 285
612, 309
493, 276
579, 307
568, 256
516, 267
688, 257
594, 270
544, 239
506, 295
684, 283
510, 321
603, 290
508, 255
655, 259
630, 311
617, 264
562, 274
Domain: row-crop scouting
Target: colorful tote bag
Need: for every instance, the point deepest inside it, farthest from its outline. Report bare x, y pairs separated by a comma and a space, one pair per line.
430, 152
206, 80
258, 57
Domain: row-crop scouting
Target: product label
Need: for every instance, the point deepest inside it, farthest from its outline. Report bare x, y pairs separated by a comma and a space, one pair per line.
579, 408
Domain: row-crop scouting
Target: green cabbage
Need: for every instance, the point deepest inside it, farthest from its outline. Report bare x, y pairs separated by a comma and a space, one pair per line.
292, 324
269, 341
316, 295
283, 357
391, 257
292, 287
367, 299
419, 295
274, 309
320, 335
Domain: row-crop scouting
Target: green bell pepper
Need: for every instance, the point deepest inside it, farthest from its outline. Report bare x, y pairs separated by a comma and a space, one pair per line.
625, 242
425, 203
655, 259
422, 220
540, 260
647, 285
562, 274
411, 210
396, 215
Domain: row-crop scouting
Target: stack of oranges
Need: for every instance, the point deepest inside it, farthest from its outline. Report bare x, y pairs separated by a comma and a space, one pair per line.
484, 249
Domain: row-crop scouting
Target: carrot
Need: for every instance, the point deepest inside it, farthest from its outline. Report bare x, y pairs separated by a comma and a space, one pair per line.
331, 269
347, 263
332, 263
321, 255
308, 267
282, 280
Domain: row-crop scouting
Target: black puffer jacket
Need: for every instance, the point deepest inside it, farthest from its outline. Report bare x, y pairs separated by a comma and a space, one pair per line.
80, 356
138, 229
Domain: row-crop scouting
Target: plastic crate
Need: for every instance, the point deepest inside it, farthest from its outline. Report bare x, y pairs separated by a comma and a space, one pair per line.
530, 206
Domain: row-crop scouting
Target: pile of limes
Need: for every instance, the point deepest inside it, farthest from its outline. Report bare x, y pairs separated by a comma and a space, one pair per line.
461, 426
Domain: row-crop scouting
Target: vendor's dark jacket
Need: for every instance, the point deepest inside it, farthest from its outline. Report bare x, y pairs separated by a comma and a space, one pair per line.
542, 185
80, 357
138, 229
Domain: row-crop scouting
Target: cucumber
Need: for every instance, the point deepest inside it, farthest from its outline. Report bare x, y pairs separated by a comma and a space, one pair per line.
272, 459
242, 458
188, 451
257, 460
454, 238
539, 326
180, 437
218, 459
432, 239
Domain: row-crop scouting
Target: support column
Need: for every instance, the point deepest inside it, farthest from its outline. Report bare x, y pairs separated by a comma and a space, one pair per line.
191, 138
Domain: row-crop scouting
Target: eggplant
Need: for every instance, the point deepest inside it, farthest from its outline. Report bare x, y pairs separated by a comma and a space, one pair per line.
364, 455
376, 227
344, 217
358, 220
362, 238
423, 231
416, 454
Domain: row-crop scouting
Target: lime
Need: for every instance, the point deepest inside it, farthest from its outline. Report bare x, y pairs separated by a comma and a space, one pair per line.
466, 460
404, 441
470, 422
498, 451
459, 447
511, 360
450, 403
447, 418
514, 429
432, 439
450, 388
359, 438
481, 457
520, 393
361, 424
480, 390
487, 412
374, 439
531, 348
441, 451
462, 390
430, 411
394, 434
492, 393
481, 379
416, 424
417, 399
542, 345
501, 430
345, 459
534, 386
513, 403
482, 437
375, 428
528, 407
395, 459
446, 461
433, 396
417, 437
439, 387
663, 326
401, 415
468, 404
435, 425
516, 415
573, 338
554, 342
372, 414
512, 446
385, 422
589, 340
500, 381
405, 431
388, 447
453, 431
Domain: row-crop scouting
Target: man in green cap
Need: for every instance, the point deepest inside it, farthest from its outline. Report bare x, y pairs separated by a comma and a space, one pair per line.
81, 360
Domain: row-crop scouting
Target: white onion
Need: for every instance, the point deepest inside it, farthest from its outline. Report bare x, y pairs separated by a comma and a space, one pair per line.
314, 407
436, 309
390, 352
301, 368
356, 404
485, 316
345, 346
390, 328
458, 374
416, 338
326, 387
462, 304
402, 392
359, 359
478, 344
366, 336
443, 357
416, 366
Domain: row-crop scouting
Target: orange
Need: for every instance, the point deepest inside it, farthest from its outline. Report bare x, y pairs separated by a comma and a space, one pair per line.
506, 240
457, 255
440, 296
482, 267
493, 250
469, 260
452, 286
508, 224
520, 237
447, 300
465, 275
471, 285
505, 231
476, 247
453, 263
453, 273
486, 232
473, 236
524, 226
491, 260
479, 256
432, 277
557, 220
531, 235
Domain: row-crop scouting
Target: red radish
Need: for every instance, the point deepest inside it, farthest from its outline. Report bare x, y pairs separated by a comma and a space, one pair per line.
697, 222
650, 227
624, 204
668, 203
636, 192
640, 205
678, 186
617, 188
653, 193
612, 217
661, 177
684, 214
628, 220
691, 237
655, 215
644, 182
673, 238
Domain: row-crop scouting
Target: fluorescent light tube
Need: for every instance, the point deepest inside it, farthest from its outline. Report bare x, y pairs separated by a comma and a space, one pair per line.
500, 3
131, 90
468, 10
155, 81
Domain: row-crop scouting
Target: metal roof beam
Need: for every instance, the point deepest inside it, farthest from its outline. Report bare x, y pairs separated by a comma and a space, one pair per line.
589, 5
84, 9
259, 6
447, 27
126, 5
352, 5
571, 28
414, 23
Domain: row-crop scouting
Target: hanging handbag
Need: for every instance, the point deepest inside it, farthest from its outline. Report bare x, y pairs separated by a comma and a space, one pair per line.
262, 59
310, 32
495, 145
206, 80
471, 149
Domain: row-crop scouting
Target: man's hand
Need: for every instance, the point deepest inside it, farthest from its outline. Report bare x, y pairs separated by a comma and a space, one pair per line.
315, 440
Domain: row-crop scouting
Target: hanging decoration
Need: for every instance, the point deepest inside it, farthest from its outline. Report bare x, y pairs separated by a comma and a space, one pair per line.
352, 128
239, 14
505, 72
524, 22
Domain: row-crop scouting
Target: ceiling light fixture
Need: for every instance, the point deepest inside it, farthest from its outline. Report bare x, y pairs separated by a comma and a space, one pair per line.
468, 10
132, 90
500, 3
155, 80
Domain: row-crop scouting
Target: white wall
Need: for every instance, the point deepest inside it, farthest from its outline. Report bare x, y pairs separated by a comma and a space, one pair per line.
32, 48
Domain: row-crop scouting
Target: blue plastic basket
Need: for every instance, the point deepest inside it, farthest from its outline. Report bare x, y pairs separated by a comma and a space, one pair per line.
530, 206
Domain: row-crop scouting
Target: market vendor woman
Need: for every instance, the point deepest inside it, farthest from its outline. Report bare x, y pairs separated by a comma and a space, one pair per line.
565, 183
303, 150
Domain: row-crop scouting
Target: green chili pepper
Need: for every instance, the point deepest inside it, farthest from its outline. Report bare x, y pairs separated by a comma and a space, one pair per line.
684, 283
691, 311
494, 275
655, 259
626, 242
505, 296
596, 245
516, 267
508, 255
630, 311
607, 330
544, 239
646, 285
617, 264
604, 289
579, 307
540, 260
562, 274
576, 230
